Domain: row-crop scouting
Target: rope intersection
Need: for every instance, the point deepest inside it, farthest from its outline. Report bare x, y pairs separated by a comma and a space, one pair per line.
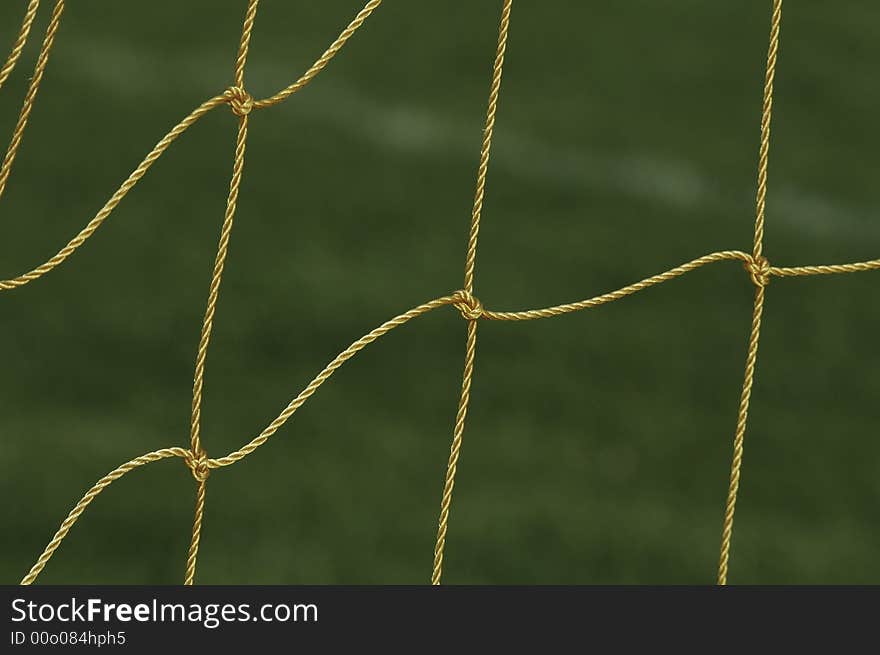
242, 105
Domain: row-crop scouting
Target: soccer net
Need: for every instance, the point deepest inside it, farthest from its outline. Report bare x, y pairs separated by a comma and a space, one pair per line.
243, 105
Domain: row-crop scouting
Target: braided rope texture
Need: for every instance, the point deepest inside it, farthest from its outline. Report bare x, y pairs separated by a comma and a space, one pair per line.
242, 105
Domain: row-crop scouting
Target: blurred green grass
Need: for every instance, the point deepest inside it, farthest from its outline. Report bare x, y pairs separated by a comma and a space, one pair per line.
598, 444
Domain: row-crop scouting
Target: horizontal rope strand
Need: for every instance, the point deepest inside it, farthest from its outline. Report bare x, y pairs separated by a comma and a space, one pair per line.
827, 269
722, 255
556, 310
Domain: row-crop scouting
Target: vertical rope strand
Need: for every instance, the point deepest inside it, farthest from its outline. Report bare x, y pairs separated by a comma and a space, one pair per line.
216, 278
241, 104
214, 291
18, 45
455, 451
197, 450
30, 96
193, 553
245, 42
485, 149
470, 260
739, 436
766, 115
760, 278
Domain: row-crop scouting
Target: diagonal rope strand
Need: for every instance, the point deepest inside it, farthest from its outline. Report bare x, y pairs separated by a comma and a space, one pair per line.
20, 40
326, 373
115, 199
323, 60
86, 500
33, 87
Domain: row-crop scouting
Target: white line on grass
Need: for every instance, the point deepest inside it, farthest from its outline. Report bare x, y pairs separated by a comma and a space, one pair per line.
121, 69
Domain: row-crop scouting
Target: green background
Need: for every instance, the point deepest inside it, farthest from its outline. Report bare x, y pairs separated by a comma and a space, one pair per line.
598, 444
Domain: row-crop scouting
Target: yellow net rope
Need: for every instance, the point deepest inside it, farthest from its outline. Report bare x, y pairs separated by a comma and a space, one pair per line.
242, 104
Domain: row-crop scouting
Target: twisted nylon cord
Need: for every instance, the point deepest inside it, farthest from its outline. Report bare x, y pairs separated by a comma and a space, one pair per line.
232, 97
760, 278
33, 87
323, 60
18, 45
471, 317
86, 500
242, 104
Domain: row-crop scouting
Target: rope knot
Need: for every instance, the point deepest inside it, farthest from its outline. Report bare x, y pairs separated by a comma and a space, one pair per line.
239, 100
198, 464
469, 305
759, 270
